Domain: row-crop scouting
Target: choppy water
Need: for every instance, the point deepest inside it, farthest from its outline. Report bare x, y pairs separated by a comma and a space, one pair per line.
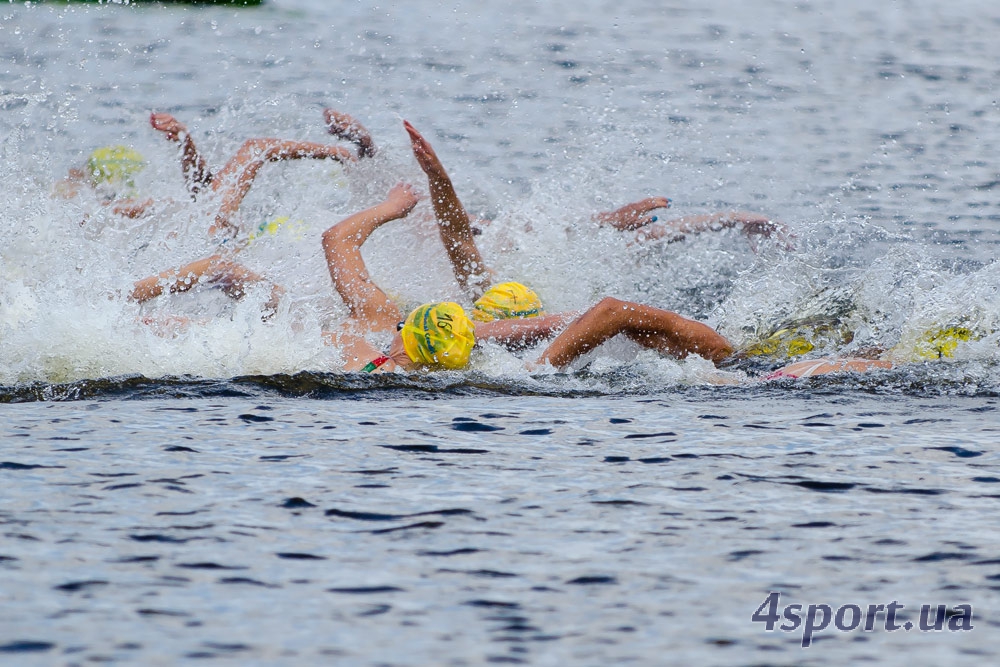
221, 493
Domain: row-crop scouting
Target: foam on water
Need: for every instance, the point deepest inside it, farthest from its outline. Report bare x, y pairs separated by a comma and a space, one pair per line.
68, 264
872, 246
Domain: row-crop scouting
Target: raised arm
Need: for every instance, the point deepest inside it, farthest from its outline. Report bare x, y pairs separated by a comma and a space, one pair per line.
233, 181
368, 304
196, 172
653, 328
346, 127
453, 222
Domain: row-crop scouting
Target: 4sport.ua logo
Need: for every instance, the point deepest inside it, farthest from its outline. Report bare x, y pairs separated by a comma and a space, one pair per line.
851, 617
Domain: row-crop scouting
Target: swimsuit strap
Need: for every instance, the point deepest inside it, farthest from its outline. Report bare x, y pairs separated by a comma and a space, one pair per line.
374, 363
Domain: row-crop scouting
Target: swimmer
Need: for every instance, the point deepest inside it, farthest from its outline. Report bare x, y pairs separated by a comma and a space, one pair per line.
219, 271
753, 225
231, 185
372, 311
442, 335
931, 345
109, 172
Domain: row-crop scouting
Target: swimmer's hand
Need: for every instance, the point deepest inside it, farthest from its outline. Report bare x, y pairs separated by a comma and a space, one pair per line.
758, 227
402, 199
168, 125
425, 155
132, 208
633, 216
345, 126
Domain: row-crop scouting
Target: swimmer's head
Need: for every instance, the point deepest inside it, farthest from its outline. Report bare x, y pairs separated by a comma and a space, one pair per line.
438, 334
782, 343
274, 226
941, 343
115, 165
798, 339
505, 301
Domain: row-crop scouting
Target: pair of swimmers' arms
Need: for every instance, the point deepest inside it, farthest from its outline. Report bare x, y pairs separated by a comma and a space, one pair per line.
194, 167
230, 185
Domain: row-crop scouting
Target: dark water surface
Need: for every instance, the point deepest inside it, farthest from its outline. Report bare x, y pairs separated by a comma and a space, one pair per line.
450, 529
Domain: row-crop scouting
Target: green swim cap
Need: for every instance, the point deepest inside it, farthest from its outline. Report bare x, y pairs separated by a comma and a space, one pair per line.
114, 164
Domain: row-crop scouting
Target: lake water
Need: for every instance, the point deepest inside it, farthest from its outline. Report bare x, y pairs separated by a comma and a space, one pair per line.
221, 493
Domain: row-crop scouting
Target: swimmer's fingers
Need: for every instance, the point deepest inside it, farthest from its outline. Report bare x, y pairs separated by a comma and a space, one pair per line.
403, 197
424, 153
651, 204
644, 206
166, 123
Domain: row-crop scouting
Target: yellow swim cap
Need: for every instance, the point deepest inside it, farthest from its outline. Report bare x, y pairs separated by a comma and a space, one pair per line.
505, 301
114, 164
941, 343
272, 227
439, 334
798, 339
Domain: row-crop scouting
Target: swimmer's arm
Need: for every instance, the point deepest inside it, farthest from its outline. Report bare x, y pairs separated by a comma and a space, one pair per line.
813, 367
193, 165
233, 278
633, 216
367, 303
233, 181
356, 350
752, 224
517, 333
172, 281
454, 227
652, 328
